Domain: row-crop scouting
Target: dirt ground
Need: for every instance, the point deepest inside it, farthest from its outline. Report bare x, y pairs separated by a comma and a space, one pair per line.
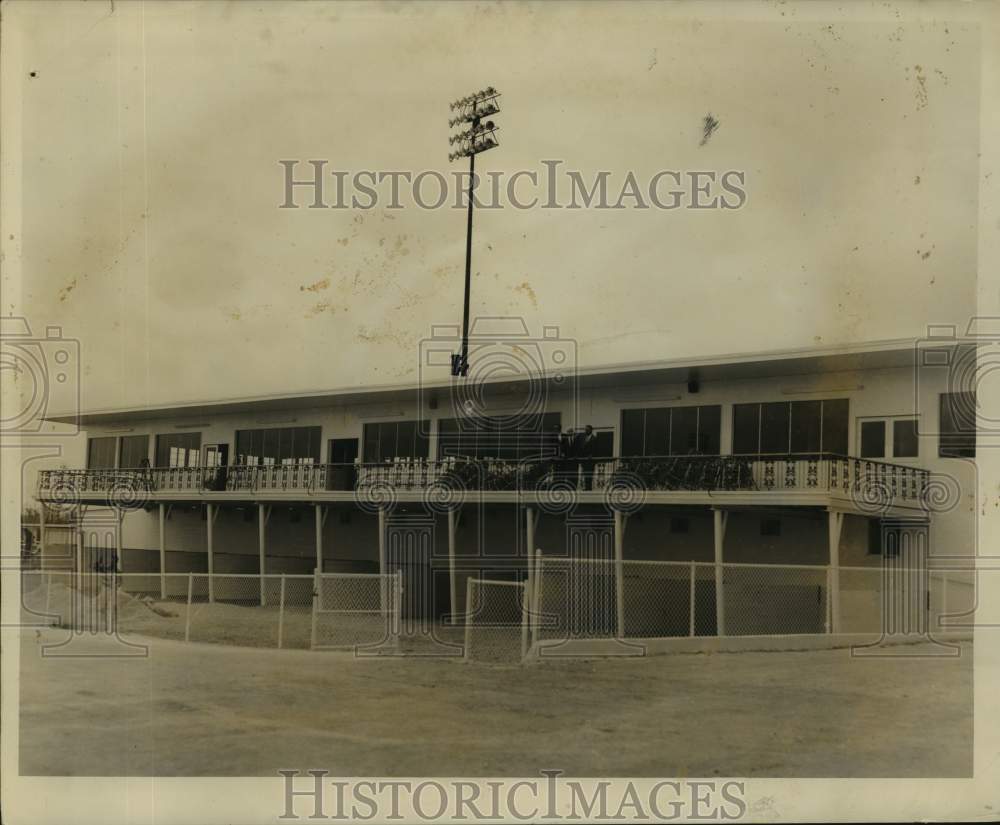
211, 710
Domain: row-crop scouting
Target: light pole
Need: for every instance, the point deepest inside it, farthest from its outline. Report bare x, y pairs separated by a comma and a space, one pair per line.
478, 137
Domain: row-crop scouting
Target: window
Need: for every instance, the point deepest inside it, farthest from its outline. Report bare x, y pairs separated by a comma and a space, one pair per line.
957, 425
178, 450
101, 453
394, 439
680, 524
783, 427
671, 431
278, 445
905, 443
770, 527
495, 437
872, 439
889, 438
134, 451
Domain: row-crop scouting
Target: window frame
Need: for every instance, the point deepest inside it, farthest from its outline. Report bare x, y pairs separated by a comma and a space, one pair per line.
824, 425
700, 411
889, 436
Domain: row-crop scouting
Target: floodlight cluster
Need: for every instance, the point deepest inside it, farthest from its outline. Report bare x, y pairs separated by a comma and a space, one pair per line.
480, 135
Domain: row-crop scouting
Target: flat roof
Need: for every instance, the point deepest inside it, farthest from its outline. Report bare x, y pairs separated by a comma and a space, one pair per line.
870, 355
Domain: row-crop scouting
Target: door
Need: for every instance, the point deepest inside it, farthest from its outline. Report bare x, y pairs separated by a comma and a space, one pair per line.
342, 454
216, 466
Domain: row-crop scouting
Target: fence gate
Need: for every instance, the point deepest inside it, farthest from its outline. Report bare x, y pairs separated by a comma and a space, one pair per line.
409, 549
590, 585
356, 610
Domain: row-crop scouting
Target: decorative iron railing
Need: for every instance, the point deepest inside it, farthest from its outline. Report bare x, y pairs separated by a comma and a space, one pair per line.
868, 482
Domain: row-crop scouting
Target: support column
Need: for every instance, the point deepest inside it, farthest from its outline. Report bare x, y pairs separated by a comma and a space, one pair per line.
210, 521
263, 512
163, 550
529, 514
836, 523
452, 582
119, 561
720, 519
620, 522
41, 535
383, 561
320, 520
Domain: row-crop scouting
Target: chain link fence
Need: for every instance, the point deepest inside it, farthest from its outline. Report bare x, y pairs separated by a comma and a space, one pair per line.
496, 620
356, 610
237, 609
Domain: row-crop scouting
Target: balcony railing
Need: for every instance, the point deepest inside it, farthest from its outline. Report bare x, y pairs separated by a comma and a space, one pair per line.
865, 481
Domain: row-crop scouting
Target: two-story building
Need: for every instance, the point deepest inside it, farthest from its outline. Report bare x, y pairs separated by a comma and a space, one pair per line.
829, 459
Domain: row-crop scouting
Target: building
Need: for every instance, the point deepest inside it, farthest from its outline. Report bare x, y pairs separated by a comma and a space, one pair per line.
822, 461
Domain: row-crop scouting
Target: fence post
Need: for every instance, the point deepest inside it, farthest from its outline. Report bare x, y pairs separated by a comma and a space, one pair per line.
281, 609
397, 607
48, 592
187, 617
944, 600
524, 619
691, 599
536, 597
317, 583
468, 603
828, 606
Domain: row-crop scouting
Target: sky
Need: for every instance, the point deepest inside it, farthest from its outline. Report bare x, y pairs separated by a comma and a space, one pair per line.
151, 136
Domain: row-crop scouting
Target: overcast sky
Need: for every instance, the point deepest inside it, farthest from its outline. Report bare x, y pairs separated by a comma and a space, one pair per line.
151, 229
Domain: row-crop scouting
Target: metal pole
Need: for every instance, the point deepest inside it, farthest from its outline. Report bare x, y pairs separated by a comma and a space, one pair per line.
41, 533
382, 562
317, 584
529, 585
464, 366
944, 600
691, 600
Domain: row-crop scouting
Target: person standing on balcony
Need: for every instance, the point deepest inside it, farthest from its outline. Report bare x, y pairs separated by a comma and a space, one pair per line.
584, 447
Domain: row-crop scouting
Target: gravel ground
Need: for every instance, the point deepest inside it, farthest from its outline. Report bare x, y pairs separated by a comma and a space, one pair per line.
206, 710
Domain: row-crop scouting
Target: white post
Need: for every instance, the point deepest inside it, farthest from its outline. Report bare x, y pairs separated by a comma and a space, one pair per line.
452, 581
187, 616
281, 612
694, 574
720, 518
261, 547
317, 584
319, 536
828, 606
835, 523
210, 519
619, 574
163, 551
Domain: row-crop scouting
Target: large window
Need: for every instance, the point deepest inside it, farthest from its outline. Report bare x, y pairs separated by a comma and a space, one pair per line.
387, 440
101, 453
278, 445
957, 425
791, 427
889, 438
671, 431
134, 451
495, 437
178, 450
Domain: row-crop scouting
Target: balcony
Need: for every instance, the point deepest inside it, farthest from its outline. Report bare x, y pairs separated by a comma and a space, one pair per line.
855, 483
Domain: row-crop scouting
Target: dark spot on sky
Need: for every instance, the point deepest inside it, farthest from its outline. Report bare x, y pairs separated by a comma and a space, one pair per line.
32, 74
708, 129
